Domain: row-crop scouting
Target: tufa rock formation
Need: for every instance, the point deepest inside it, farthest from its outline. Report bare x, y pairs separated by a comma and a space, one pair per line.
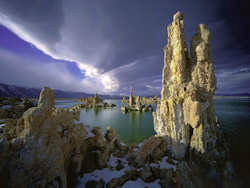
185, 116
37, 148
13, 107
93, 102
47, 147
134, 103
131, 98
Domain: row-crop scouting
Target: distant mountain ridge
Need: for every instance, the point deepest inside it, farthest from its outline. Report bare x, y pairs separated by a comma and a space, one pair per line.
26, 92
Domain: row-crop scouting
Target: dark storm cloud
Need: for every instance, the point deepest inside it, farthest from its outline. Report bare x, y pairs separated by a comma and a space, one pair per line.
41, 19
237, 15
118, 44
120, 32
231, 47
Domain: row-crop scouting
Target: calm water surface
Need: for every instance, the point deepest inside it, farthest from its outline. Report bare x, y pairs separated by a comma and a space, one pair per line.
131, 127
134, 127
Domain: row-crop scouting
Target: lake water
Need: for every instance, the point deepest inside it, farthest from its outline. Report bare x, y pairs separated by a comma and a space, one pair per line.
134, 127
131, 127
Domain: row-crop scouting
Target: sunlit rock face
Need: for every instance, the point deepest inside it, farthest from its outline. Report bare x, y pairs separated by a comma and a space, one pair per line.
185, 116
131, 97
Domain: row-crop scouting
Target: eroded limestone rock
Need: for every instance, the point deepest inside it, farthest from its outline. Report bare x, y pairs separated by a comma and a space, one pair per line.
185, 116
152, 149
46, 99
92, 102
137, 103
47, 147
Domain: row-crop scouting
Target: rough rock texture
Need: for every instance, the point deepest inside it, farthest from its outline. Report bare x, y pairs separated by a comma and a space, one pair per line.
47, 148
93, 102
186, 115
124, 100
152, 149
14, 107
150, 100
134, 103
143, 100
131, 98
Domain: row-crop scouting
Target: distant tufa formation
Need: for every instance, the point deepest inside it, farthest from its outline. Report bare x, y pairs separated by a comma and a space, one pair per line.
136, 103
92, 102
143, 100
186, 114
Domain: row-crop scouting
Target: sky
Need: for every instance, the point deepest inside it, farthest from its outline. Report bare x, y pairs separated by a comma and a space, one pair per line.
109, 46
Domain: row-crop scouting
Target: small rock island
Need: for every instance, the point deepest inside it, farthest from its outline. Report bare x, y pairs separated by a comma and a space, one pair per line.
135, 103
93, 102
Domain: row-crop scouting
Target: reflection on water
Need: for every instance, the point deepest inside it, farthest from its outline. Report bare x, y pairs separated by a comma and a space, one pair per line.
132, 127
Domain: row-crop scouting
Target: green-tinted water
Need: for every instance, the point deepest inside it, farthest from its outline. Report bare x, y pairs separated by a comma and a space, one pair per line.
134, 127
